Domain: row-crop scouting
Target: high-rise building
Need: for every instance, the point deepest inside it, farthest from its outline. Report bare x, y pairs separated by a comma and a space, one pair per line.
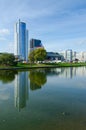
35, 43
73, 55
21, 41
69, 55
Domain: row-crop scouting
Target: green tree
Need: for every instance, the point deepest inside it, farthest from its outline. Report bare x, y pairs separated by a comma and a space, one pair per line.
31, 57
7, 59
37, 55
40, 54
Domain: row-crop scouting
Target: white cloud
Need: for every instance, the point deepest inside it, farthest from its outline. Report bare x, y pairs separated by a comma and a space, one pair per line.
52, 21
4, 31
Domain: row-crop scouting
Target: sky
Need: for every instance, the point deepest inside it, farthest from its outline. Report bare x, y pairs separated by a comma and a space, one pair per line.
59, 24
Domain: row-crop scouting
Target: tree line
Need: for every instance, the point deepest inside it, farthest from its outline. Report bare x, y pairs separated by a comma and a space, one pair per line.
8, 59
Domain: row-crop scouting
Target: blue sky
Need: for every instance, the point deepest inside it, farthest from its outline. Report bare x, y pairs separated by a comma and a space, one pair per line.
60, 24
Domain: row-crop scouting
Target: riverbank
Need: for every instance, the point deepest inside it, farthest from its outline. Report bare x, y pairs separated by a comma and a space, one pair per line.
45, 65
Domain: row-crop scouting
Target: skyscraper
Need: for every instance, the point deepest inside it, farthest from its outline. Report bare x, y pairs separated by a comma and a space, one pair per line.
35, 43
69, 55
21, 41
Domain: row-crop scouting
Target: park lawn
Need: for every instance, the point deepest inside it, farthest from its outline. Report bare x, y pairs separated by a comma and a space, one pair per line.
42, 65
51, 65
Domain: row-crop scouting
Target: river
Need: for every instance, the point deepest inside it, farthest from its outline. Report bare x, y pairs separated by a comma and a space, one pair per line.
43, 99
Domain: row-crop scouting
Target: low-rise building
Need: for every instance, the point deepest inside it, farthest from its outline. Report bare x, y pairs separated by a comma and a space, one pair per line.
54, 57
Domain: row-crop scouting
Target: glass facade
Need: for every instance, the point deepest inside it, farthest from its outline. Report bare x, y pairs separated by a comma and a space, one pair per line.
35, 43
21, 41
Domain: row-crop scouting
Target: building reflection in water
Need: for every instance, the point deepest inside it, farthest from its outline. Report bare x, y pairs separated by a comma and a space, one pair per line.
67, 72
38, 79
63, 72
71, 72
21, 90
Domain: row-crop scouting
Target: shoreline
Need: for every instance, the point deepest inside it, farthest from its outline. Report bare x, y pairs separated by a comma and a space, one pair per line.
24, 67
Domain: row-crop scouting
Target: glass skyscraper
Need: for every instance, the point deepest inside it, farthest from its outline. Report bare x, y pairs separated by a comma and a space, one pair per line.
35, 43
21, 41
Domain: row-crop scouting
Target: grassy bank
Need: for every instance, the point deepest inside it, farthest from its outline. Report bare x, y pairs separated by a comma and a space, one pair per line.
45, 65
52, 65
67, 64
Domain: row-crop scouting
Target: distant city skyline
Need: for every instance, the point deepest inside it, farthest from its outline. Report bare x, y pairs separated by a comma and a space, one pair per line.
61, 25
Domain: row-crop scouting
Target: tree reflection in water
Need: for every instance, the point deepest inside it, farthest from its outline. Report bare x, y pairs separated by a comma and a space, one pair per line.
37, 79
7, 76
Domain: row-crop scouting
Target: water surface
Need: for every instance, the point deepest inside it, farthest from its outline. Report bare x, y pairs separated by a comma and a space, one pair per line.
43, 99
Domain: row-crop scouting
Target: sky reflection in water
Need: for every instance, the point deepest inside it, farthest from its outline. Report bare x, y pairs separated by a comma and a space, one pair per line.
43, 99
